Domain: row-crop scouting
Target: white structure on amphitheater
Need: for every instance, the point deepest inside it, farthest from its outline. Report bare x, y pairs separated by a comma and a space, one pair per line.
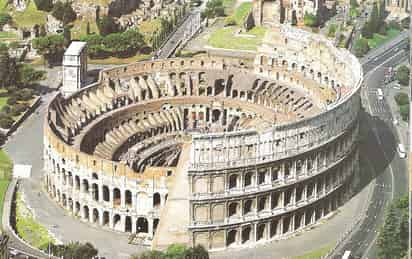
210, 150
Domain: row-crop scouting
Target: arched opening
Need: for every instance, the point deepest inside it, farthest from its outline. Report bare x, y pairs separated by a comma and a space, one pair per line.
128, 198
155, 224
128, 224
116, 197
70, 179
64, 200
77, 182
95, 217
85, 185
233, 209
247, 207
116, 222
86, 213
262, 204
248, 179
231, 237
94, 176
106, 193
246, 234
215, 115
261, 232
106, 218
209, 91
95, 191
156, 200
233, 181
77, 208
273, 228
234, 93
142, 225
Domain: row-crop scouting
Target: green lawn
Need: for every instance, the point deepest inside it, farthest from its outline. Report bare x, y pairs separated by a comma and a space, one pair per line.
147, 28
317, 254
5, 35
241, 12
6, 166
27, 227
225, 38
3, 101
29, 17
379, 39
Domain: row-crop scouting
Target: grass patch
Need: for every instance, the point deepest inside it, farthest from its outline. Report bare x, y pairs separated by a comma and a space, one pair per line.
225, 38
7, 35
119, 61
241, 12
379, 39
317, 254
3, 101
29, 17
6, 166
27, 227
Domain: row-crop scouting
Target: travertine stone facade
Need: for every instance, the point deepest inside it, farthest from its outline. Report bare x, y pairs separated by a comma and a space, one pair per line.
244, 153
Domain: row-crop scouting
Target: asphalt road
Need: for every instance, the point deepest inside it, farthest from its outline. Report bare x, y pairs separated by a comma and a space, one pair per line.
381, 139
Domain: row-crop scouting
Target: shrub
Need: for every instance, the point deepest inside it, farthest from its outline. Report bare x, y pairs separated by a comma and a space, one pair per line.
12, 100
6, 109
402, 75
402, 99
25, 94
310, 20
64, 12
6, 121
230, 21
4, 19
361, 47
18, 108
44, 5
404, 111
107, 25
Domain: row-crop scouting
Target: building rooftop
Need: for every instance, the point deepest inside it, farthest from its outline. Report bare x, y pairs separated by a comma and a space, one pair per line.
75, 48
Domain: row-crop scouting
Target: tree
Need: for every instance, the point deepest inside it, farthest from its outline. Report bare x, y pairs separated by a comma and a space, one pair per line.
4, 19
51, 47
8, 67
67, 36
64, 12
401, 99
294, 18
404, 111
353, 3
6, 121
27, 75
388, 243
332, 30
367, 31
402, 75
107, 25
75, 250
154, 254
361, 47
310, 20
214, 8
44, 5
88, 28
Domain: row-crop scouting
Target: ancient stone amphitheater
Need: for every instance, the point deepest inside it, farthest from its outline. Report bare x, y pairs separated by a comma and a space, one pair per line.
222, 152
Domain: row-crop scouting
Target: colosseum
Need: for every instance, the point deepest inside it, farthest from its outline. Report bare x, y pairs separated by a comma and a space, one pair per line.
222, 152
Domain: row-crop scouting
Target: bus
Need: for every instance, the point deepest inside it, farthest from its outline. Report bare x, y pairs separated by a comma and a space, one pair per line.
346, 255
379, 93
401, 151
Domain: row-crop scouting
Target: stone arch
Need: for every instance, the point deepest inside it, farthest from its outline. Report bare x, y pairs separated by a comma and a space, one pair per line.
156, 200
95, 192
128, 198
232, 237
95, 216
116, 197
76, 208
155, 225
86, 212
261, 232
248, 179
85, 185
142, 225
248, 206
106, 218
233, 209
77, 182
246, 234
117, 222
233, 181
128, 224
106, 193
